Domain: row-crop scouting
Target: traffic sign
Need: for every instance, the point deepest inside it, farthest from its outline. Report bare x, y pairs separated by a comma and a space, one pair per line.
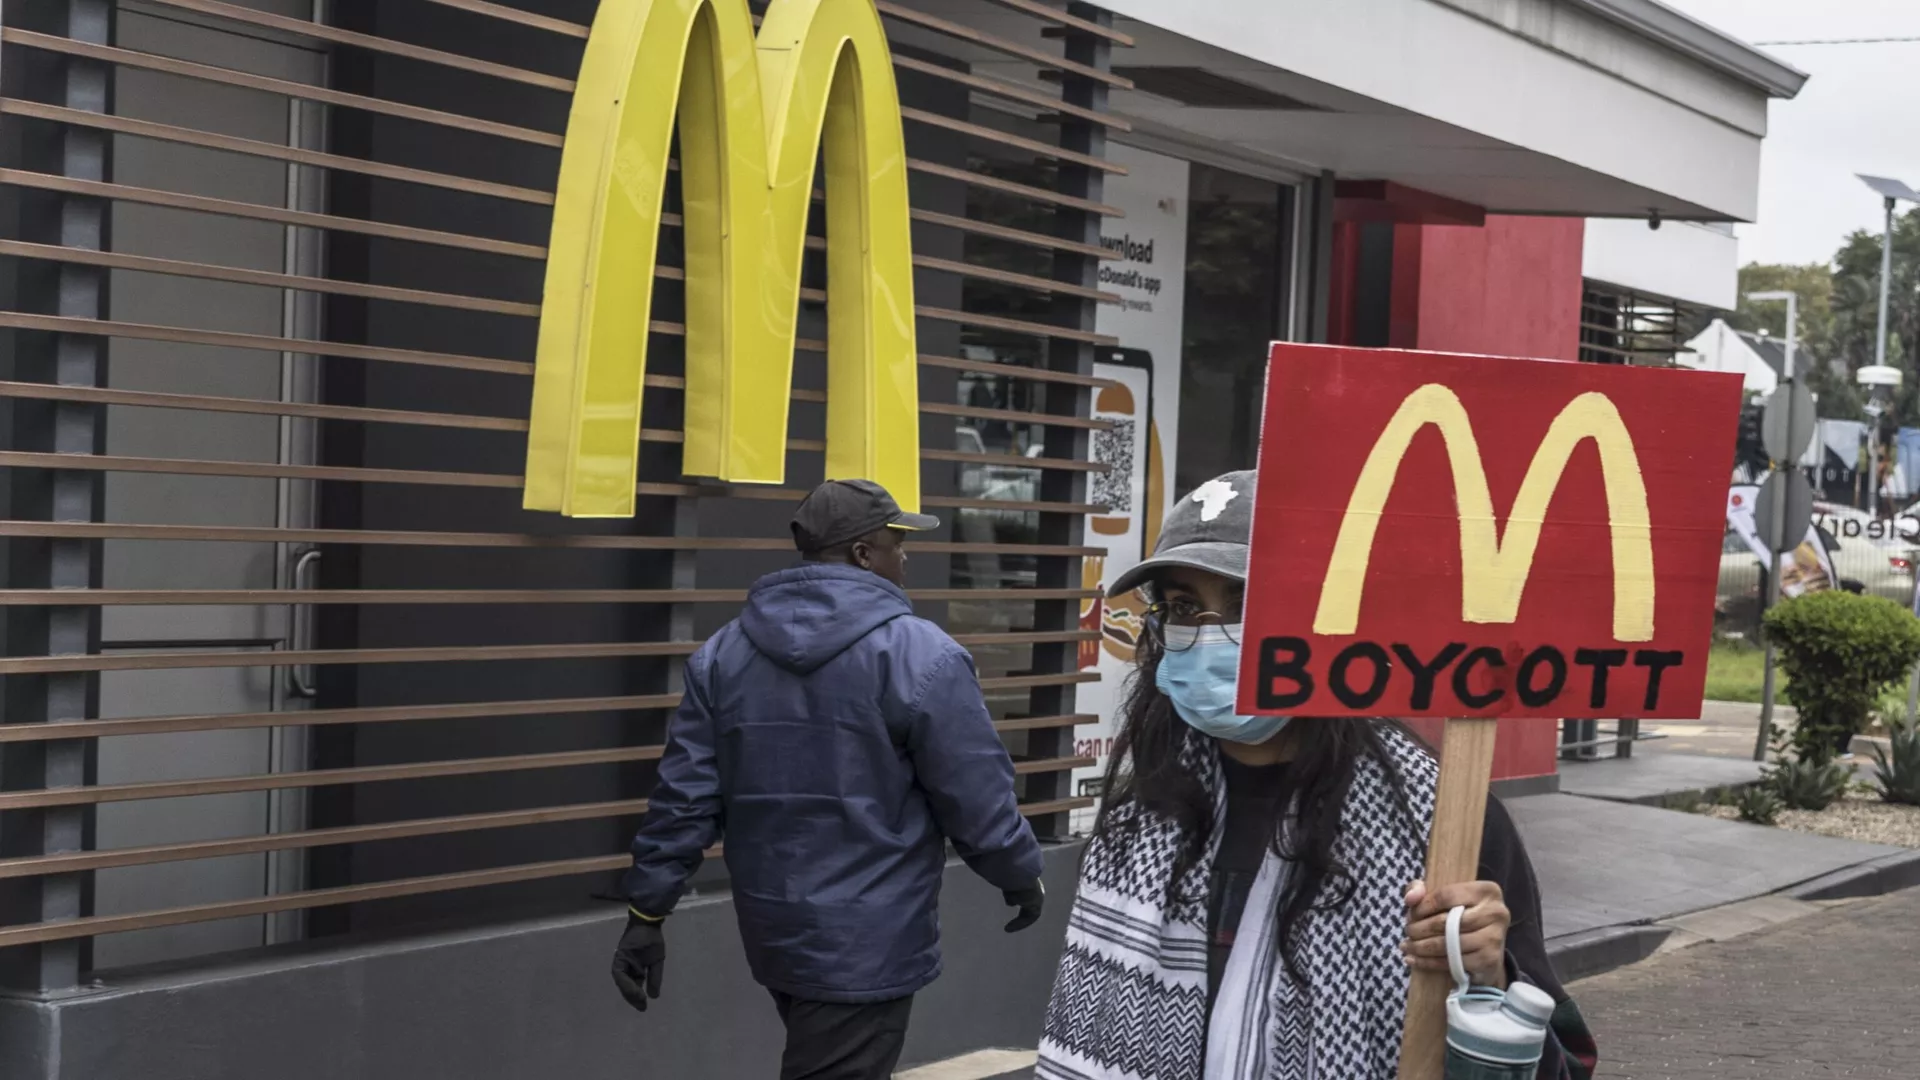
1788, 493
1787, 423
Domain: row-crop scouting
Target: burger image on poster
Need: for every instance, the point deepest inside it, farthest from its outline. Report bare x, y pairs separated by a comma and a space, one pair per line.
1140, 402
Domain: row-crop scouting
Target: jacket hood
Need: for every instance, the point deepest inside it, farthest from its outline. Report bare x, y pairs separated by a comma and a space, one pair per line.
804, 617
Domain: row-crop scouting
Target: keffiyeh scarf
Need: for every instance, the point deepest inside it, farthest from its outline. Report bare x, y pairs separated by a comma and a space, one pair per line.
1130, 1001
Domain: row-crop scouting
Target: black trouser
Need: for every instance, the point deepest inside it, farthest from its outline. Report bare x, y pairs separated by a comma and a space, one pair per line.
841, 1042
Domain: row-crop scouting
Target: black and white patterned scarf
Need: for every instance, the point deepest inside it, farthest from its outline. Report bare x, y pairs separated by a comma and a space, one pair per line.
1130, 1002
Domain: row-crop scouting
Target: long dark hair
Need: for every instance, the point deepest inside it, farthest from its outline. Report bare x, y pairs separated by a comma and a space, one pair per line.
1145, 768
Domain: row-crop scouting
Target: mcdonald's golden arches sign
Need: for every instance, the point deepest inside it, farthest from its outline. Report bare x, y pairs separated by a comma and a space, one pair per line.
1441, 535
753, 111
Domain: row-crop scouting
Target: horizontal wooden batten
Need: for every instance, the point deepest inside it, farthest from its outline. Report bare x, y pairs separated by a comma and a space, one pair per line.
1028, 682
274, 151
1008, 277
1015, 371
85, 530
436, 654
1014, 461
152, 399
1045, 60
1016, 142
359, 774
1017, 326
333, 35
347, 474
515, 15
63, 324
202, 403
389, 714
1038, 723
265, 278
302, 91
205, 597
90, 926
257, 212
76, 862
1048, 13
1014, 416
1018, 236
1056, 806
534, 196
1047, 765
158, 725
226, 339
1012, 91
61, 930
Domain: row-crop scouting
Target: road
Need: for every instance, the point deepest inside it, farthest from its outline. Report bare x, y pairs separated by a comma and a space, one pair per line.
1826, 995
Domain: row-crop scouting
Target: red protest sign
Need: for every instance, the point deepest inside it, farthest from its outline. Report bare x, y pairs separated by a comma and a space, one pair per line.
1441, 535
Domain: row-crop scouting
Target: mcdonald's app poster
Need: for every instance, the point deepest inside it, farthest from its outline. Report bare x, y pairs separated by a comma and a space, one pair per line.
1142, 402
1445, 536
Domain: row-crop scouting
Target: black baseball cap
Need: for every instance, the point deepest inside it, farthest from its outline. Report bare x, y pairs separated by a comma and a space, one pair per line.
842, 510
1208, 530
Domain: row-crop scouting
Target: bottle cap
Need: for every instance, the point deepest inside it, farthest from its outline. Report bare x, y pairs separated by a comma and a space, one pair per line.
1529, 1002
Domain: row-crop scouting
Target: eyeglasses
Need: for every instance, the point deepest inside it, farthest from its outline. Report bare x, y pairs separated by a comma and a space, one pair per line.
1177, 624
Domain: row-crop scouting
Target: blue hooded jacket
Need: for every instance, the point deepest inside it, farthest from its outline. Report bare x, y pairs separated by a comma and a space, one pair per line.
836, 742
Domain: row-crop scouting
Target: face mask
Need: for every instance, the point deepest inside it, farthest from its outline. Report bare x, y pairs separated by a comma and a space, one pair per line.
1199, 680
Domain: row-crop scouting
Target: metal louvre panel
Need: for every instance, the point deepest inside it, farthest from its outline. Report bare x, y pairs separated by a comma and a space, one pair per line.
425, 366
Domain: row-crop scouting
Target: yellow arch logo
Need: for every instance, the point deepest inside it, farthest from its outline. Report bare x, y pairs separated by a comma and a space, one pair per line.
753, 114
1493, 575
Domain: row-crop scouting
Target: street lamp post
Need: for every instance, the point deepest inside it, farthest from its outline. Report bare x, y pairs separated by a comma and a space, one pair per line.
1890, 191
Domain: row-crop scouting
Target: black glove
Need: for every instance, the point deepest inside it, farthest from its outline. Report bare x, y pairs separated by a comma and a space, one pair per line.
1029, 900
640, 959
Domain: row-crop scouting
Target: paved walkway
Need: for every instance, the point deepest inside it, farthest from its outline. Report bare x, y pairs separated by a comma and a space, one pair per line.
1604, 863
1827, 995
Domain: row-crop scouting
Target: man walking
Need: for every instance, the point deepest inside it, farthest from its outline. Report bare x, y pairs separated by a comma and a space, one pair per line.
837, 742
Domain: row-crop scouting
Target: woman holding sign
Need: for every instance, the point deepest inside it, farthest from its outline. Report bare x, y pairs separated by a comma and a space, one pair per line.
1248, 908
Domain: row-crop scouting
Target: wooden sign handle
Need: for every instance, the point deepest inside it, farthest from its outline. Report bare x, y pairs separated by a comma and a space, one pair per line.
1453, 855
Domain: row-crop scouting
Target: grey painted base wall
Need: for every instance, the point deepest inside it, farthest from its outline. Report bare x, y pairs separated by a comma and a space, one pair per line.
516, 1001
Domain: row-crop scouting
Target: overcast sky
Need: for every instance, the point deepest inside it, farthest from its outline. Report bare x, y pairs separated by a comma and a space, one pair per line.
1857, 114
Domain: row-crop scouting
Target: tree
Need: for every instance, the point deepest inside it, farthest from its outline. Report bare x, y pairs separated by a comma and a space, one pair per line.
1819, 356
1855, 305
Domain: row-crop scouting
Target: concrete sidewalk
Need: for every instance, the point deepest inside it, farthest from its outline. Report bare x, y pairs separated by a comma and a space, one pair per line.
1651, 778
1611, 871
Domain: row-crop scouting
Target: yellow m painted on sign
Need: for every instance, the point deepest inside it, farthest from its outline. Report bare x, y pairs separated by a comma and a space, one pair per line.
753, 114
1493, 575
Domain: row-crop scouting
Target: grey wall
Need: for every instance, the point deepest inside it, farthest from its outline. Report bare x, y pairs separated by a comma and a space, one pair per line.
514, 1001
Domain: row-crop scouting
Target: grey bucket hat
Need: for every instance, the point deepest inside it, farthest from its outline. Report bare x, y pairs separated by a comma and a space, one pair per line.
1207, 530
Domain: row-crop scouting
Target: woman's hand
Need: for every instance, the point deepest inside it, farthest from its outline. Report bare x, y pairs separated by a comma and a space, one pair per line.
1483, 929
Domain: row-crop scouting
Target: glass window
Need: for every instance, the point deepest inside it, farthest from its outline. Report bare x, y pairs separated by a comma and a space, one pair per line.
1238, 248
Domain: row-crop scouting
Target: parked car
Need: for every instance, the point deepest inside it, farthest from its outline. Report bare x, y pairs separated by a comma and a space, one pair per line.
1876, 553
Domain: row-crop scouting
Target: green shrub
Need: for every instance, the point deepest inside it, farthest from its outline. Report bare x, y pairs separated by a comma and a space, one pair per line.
1757, 803
1839, 651
1806, 784
1898, 770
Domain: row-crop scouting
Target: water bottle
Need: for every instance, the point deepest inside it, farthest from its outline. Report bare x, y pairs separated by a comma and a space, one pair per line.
1492, 1035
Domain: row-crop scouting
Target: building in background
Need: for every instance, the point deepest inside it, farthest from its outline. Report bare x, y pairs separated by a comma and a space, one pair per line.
317, 756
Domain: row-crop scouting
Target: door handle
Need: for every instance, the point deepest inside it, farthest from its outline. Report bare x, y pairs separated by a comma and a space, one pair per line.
300, 632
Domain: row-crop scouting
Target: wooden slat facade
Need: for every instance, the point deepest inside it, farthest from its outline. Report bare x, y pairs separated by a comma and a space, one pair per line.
442, 664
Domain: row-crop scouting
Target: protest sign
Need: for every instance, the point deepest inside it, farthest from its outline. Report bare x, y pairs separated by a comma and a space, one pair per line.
1471, 537
1484, 537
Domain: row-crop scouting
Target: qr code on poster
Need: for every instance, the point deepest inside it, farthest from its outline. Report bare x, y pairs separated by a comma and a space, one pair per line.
1114, 448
